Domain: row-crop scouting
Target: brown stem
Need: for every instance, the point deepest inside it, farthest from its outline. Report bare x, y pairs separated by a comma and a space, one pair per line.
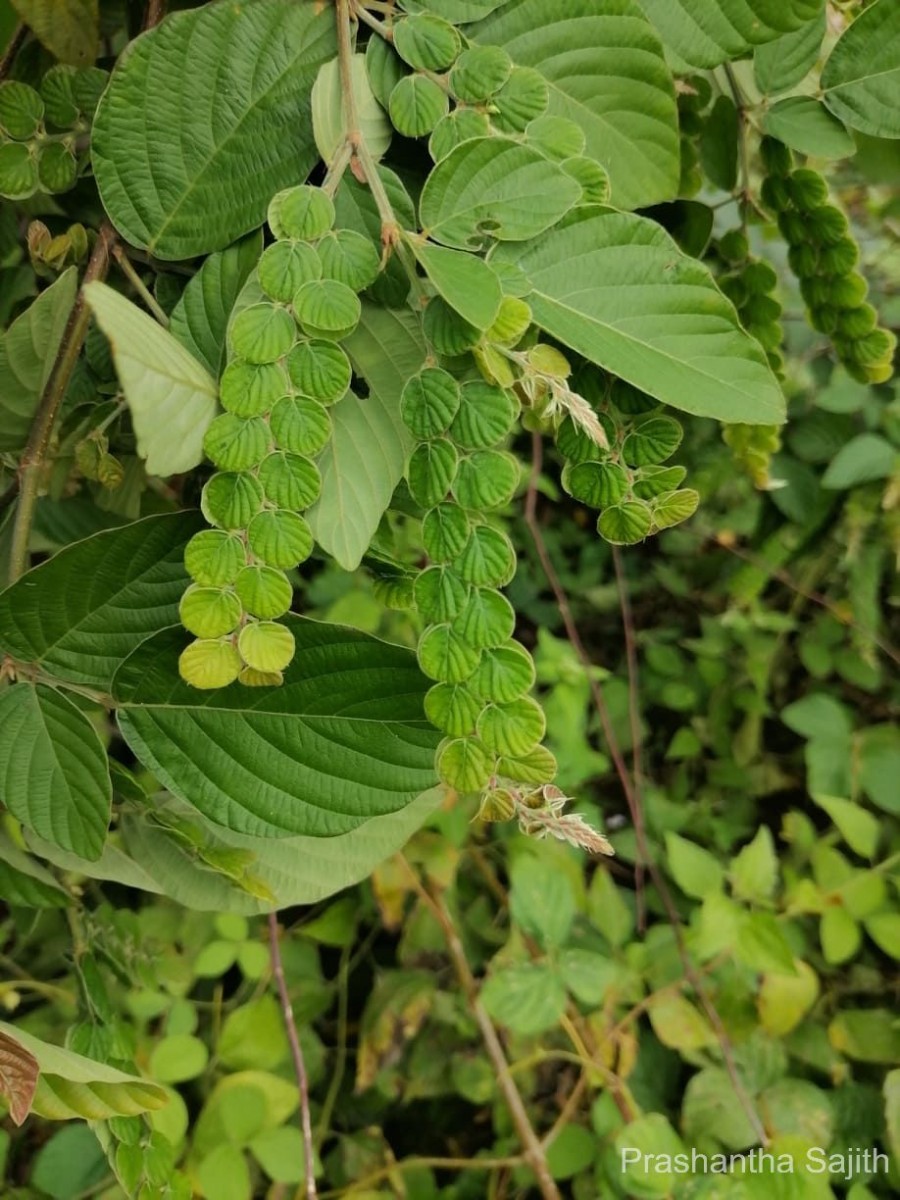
296, 1053
632, 798
533, 1150
156, 10
35, 452
13, 46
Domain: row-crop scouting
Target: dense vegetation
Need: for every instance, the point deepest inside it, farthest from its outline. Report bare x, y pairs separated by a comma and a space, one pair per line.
450, 481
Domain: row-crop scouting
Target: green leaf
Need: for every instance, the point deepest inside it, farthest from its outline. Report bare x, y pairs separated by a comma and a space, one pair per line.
608, 909
754, 870
588, 975
860, 78
784, 1000
805, 125
863, 459
246, 123
878, 758
527, 999
68, 28
200, 318
327, 110
651, 1135
694, 869
541, 900
866, 1034
892, 1111
678, 1024
840, 935
24, 881
704, 35
253, 1036
364, 460
818, 715
71, 1085
710, 1110
343, 740
719, 144
224, 1173
606, 71
762, 946
54, 773
177, 1058
457, 11
493, 188
171, 396
466, 282
782, 64
78, 615
617, 289
27, 353
858, 827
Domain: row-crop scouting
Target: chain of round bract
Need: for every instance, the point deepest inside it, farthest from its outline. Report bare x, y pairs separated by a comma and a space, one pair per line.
286, 369
627, 481
823, 254
459, 473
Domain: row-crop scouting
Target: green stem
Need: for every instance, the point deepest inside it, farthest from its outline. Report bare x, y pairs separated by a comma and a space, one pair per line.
35, 453
127, 268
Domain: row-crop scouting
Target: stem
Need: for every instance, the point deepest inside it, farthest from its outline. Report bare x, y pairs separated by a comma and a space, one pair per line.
127, 268
296, 1053
13, 46
743, 147
340, 1063
156, 10
35, 453
533, 1150
420, 1161
633, 799
362, 14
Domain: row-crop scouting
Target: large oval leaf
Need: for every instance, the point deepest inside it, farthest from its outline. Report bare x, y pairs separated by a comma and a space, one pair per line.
861, 80
205, 118
172, 397
702, 34
78, 615
344, 739
606, 71
617, 289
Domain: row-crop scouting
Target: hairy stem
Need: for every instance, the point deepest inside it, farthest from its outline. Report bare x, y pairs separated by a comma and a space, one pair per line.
632, 797
533, 1150
290, 1025
35, 453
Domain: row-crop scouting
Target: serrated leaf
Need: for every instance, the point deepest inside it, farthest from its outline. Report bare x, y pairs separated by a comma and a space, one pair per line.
246, 121
605, 67
781, 64
70, 1085
704, 35
364, 460
171, 396
617, 289
200, 318
493, 188
859, 81
78, 615
344, 739
68, 28
328, 115
27, 353
54, 775
804, 124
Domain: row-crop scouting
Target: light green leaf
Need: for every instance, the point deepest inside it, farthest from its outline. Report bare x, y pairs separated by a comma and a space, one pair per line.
177, 1058
457, 11
27, 352
200, 318
606, 71
782, 64
892, 1111
703, 34
541, 901
784, 1000
652, 1135
54, 775
694, 869
754, 870
253, 1036
864, 458
68, 28
171, 396
363, 463
588, 975
328, 116
710, 1110
71, 1085
858, 827
878, 758
862, 74
617, 289
187, 159
678, 1024
866, 1034
341, 741
805, 125
494, 187
818, 715
527, 999
839, 934
762, 946
465, 281
78, 615
224, 1173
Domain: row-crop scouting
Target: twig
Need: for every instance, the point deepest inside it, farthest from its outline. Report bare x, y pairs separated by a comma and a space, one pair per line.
633, 800
533, 1150
14, 45
424, 1161
127, 268
362, 14
156, 10
296, 1053
32, 462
